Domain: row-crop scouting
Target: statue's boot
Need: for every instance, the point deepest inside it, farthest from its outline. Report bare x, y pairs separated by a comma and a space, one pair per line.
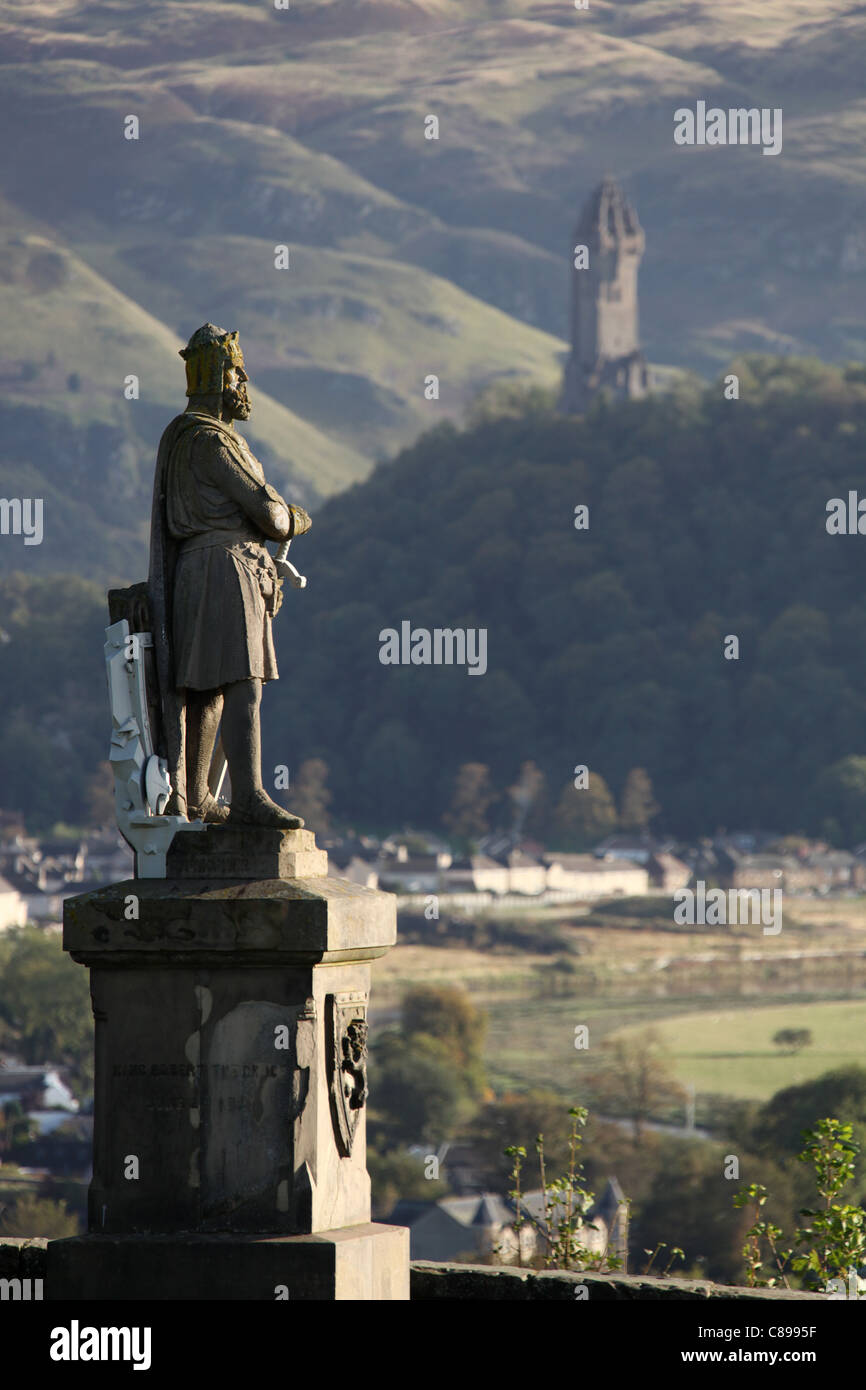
258, 809
210, 811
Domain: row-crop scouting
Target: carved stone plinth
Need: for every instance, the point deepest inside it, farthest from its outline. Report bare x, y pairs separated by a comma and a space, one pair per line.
231, 1021
226, 852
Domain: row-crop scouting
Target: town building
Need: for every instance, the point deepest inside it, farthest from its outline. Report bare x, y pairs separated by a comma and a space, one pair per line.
482, 1227
590, 876
13, 906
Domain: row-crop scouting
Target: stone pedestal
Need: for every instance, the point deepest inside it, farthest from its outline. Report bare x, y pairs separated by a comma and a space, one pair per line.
230, 1083
357, 1263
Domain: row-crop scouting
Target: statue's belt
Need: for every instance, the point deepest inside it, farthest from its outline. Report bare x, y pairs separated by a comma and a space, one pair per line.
247, 548
229, 538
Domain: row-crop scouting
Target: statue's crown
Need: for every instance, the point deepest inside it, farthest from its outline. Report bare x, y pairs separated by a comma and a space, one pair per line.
210, 352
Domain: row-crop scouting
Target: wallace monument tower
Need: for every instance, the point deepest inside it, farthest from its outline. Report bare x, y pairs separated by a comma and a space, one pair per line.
605, 346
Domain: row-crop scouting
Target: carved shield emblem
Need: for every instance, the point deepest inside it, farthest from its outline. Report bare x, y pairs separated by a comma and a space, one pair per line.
347, 1064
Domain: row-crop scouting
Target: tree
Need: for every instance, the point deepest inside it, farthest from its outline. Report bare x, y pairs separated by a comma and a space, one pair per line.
584, 815
781, 1123
310, 798
397, 1174
638, 806
516, 1119
393, 772
832, 1243
793, 1039
510, 400
447, 1014
30, 1215
634, 1078
840, 801
45, 1012
428, 1073
415, 1092
689, 1202
15, 1127
473, 794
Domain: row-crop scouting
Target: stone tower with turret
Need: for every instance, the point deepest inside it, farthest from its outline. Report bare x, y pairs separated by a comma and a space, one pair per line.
605, 346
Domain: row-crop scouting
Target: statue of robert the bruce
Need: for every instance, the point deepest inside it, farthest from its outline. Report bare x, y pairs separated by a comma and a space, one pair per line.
214, 589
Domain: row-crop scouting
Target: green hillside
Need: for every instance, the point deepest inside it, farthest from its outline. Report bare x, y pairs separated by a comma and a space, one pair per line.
306, 128
74, 440
356, 313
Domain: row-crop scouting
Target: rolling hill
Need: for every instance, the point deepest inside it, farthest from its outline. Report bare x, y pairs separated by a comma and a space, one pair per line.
412, 256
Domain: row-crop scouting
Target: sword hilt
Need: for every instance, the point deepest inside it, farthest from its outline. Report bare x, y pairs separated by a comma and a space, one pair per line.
285, 569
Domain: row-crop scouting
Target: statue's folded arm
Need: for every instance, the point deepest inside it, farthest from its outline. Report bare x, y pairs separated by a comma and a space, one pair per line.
258, 500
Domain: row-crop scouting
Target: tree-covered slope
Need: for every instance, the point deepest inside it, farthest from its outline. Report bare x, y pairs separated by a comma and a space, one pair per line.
605, 646
707, 518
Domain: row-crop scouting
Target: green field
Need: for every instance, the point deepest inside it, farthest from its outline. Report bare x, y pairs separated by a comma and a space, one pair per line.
726, 1049
732, 1052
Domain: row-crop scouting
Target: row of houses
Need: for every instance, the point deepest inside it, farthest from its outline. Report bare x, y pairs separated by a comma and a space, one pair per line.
621, 865
810, 871
500, 1230
516, 872
513, 870
37, 874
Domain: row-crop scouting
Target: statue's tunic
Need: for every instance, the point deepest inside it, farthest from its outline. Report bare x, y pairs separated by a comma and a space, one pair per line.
218, 512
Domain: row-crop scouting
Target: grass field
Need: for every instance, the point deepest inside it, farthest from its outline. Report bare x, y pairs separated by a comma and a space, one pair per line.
716, 1011
727, 1049
732, 1051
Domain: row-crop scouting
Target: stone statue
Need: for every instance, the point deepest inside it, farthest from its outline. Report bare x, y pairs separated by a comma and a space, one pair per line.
214, 590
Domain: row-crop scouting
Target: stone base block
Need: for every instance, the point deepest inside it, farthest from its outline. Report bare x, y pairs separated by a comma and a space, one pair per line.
238, 852
363, 1263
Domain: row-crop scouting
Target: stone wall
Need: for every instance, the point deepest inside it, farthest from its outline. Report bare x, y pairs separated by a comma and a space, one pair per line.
27, 1259
459, 1281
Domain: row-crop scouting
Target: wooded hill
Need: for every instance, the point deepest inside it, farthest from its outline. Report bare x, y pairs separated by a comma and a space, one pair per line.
605, 646
707, 518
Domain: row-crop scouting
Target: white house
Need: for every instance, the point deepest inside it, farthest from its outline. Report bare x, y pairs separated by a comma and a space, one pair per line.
525, 874
13, 906
477, 874
590, 877
356, 871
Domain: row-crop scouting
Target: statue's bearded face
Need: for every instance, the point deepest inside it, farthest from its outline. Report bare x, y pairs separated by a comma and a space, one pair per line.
236, 401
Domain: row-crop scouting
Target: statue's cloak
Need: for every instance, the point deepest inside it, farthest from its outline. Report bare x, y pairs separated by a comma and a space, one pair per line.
171, 743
